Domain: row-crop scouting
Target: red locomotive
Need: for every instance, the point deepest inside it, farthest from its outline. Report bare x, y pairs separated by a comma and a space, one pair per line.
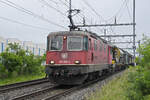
76, 56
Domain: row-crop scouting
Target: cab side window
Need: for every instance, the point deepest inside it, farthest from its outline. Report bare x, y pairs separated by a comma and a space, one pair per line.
111, 51
104, 48
48, 40
100, 46
85, 43
90, 45
95, 45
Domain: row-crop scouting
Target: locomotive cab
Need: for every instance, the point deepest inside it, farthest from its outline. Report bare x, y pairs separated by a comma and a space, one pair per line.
67, 49
66, 57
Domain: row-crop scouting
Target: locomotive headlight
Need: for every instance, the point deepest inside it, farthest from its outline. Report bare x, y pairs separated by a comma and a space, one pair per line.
65, 37
77, 62
52, 62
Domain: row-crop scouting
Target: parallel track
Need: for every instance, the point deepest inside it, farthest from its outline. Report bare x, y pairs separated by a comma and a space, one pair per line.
35, 93
10, 87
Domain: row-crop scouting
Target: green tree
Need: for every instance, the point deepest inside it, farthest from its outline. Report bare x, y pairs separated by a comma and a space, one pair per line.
16, 61
144, 50
139, 80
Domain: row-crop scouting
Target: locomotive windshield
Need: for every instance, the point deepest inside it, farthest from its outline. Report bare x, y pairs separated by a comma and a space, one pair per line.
56, 43
75, 43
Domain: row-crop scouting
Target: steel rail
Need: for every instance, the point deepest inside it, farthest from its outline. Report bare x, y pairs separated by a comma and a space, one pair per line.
58, 95
10, 87
71, 90
35, 93
56, 90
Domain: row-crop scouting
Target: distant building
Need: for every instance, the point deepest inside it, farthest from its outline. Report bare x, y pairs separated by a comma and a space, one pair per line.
13, 40
2, 44
36, 49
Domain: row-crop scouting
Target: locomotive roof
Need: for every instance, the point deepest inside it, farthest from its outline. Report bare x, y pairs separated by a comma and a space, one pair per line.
69, 32
94, 35
88, 33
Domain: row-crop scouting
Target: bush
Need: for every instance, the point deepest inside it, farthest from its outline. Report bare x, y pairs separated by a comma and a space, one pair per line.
139, 83
16, 61
3, 71
134, 84
139, 80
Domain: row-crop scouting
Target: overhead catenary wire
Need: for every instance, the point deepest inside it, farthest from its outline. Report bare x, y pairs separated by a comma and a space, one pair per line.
54, 2
100, 16
13, 5
24, 24
127, 2
94, 10
120, 13
61, 2
116, 15
64, 3
48, 5
82, 16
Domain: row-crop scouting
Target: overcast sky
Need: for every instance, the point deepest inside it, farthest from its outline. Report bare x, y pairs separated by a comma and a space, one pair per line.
106, 9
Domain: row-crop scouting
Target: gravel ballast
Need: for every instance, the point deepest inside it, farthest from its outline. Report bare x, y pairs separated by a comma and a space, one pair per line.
81, 94
11, 94
84, 93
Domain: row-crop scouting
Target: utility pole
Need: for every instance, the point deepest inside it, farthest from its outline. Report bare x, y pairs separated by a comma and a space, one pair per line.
70, 15
70, 8
139, 43
134, 46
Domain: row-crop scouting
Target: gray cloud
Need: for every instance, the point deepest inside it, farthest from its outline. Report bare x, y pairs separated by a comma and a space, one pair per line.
106, 8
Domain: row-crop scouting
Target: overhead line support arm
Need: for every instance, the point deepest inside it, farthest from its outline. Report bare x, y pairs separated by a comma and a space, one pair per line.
117, 35
98, 25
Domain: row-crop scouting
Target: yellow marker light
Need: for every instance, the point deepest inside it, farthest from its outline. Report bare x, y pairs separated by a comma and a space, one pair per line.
113, 62
77, 62
52, 62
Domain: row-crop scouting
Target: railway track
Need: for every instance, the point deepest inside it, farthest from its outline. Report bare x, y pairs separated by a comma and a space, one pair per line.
63, 93
56, 92
35, 93
71, 90
10, 87
49, 92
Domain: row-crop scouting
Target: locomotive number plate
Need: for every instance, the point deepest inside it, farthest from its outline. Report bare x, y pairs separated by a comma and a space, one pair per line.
64, 61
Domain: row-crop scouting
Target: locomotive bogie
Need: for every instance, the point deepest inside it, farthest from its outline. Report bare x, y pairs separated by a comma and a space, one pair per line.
73, 74
67, 75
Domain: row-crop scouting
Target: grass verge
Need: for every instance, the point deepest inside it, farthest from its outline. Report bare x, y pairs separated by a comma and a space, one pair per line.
114, 90
21, 78
129, 86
